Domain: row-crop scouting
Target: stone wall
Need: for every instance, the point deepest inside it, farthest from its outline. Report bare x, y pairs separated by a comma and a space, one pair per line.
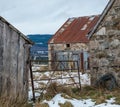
72, 51
105, 45
63, 47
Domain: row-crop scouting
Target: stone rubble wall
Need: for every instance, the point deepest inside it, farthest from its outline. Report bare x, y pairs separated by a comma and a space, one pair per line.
105, 45
62, 47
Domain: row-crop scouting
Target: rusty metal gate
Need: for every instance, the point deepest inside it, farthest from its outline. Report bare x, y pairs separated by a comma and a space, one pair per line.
45, 75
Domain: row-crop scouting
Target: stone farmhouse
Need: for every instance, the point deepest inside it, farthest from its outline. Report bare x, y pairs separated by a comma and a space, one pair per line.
105, 43
70, 42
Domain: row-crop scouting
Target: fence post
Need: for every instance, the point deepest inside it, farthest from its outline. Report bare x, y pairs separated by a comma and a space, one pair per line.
82, 61
79, 74
31, 75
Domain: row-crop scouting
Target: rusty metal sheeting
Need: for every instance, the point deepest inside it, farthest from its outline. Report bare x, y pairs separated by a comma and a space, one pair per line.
75, 30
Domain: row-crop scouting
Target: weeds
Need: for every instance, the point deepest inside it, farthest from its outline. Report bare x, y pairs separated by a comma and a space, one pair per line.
98, 95
41, 105
53, 89
44, 76
66, 104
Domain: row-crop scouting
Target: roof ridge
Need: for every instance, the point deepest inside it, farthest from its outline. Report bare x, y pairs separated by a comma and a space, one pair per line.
105, 11
15, 29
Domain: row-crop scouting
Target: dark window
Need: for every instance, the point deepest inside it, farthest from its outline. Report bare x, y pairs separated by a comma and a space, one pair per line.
67, 45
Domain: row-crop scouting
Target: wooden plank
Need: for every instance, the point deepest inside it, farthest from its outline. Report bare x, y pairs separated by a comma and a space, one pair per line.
6, 59
82, 61
21, 68
1, 50
88, 60
31, 76
26, 68
1, 55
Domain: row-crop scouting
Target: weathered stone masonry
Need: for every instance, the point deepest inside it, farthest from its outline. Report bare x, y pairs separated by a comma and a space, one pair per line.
105, 44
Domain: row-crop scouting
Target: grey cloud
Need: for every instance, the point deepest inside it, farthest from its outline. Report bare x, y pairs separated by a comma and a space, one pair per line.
46, 16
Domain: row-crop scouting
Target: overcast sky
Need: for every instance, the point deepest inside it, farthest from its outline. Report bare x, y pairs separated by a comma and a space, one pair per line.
46, 16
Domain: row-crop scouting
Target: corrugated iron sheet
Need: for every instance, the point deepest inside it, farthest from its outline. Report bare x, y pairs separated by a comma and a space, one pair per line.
75, 30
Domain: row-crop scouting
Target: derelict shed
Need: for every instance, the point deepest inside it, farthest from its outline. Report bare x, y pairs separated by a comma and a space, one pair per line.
14, 65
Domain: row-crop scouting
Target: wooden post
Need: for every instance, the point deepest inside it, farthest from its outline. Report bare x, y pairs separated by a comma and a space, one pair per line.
79, 74
31, 75
82, 61
88, 60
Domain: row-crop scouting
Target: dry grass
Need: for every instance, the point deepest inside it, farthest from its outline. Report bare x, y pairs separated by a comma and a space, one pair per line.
43, 68
36, 77
66, 104
98, 95
28, 105
41, 105
66, 96
44, 77
54, 89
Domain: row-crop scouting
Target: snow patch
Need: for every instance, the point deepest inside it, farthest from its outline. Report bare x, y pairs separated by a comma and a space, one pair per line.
79, 103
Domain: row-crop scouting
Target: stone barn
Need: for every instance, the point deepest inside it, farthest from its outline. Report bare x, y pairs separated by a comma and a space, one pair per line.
70, 42
14, 65
105, 43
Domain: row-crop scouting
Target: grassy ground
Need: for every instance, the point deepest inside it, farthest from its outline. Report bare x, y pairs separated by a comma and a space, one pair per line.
66, 104
98, 95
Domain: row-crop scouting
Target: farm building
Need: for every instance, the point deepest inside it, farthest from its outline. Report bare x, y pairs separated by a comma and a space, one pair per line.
14, 65
70, 42
105, 43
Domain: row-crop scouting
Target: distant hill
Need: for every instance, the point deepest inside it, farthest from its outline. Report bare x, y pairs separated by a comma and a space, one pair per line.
40, 49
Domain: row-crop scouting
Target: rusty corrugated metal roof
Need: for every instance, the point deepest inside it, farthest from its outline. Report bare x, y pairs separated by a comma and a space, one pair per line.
75, 30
